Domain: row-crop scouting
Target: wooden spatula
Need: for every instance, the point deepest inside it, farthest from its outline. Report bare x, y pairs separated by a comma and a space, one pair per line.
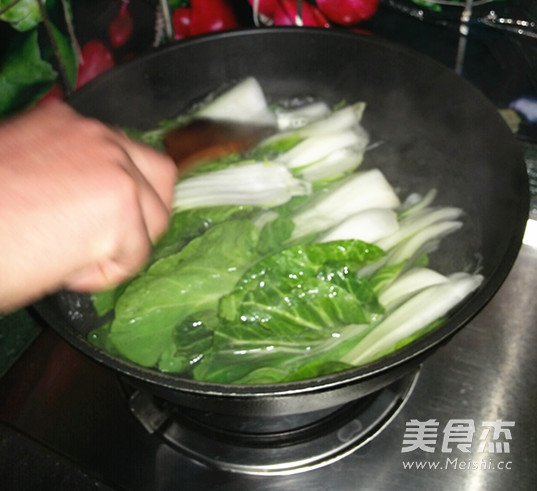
205, 139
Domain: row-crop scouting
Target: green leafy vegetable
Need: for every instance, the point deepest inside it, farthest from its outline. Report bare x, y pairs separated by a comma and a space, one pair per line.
174, 288
298, 296
293, 277
285, 263
42, 49
67, 53
23, 15
188, 224
24, 75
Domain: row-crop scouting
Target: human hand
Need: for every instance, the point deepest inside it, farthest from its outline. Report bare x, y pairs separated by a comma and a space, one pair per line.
80, 204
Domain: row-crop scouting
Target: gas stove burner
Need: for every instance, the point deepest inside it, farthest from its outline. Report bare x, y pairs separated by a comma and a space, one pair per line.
279, 445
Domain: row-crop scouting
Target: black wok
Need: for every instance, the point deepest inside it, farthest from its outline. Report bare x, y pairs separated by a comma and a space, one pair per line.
436, 129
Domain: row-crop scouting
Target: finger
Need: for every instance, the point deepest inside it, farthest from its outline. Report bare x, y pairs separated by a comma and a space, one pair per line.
143, 218
158, 169
123, 261
154, 211
98, 277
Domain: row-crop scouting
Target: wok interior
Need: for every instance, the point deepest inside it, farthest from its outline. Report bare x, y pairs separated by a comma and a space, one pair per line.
434, 131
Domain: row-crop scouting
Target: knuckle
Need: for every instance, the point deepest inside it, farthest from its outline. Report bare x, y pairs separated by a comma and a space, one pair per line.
89, 127
124, 190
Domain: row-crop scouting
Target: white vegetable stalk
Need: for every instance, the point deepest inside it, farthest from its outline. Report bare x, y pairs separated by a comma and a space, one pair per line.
418, 312
318, 147
408, 284
258, 184
291, 119
266, 216
369, 226
419, 221
335, 165
336, 122
415, 202
243, 103
433, 233
359, 192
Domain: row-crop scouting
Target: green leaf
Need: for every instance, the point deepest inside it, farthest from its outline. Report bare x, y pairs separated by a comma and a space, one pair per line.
174, 288
192, 338
273, 148
187, 224
183, 227
288, 268
287, 309
317, 369
23, 15
283, 312
174, 4
67, 54
258, 364
275, 233
104, 301
24, 75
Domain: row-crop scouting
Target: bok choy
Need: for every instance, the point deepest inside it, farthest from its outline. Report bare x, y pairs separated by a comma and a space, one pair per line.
288, 262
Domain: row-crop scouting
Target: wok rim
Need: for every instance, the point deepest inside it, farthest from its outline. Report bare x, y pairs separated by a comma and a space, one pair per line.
413, 352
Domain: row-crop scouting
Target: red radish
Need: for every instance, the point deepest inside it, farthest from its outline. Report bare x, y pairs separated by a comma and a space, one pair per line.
181, 19
210, 16
96, 58
348, 12
265, 7
121, 27
54, 94
286, 14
